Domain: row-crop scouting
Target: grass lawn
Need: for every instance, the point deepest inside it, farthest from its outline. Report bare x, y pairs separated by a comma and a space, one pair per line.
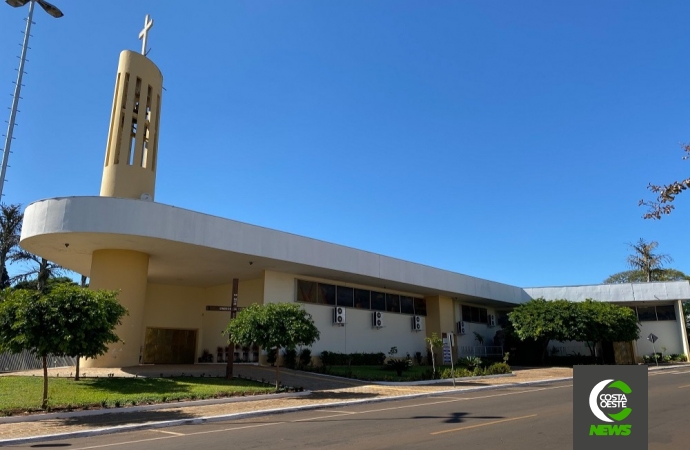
20, 394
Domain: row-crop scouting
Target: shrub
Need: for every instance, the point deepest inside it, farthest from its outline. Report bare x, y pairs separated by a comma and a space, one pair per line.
497, 369
355, 359
472, 362
459, 372
272, 356
418, 358
290, 360
399, 364
305, 357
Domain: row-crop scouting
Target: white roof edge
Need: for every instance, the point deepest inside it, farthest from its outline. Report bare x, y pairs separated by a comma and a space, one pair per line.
624, 292
110, 215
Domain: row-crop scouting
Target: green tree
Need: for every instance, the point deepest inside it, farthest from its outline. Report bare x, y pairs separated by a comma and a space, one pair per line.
273, 326
51, 283
605, 322
666, 194
50, 324
41, 268
434, 342
90, 320
544, 321
638, 276
644, 259
10, 228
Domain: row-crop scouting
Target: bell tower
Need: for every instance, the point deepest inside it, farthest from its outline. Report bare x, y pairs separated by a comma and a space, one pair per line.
129, 172
132, 148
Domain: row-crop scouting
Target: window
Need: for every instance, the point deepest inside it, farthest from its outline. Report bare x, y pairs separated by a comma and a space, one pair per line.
474, 314
393, 303
466, 314
326, 294
306, 291
646, 313
420, 306
378, 301
330, 294
406, 304
345, 297
666, 312
362, 299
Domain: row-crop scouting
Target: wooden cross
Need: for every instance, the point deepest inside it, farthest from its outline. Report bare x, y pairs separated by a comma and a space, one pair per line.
144, 34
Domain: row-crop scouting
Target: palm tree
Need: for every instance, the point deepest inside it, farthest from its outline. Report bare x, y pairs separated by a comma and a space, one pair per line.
10, 228
645, 260
43, 269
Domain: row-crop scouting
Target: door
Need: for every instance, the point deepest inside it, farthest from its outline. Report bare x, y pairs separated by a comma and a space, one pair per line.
169, 346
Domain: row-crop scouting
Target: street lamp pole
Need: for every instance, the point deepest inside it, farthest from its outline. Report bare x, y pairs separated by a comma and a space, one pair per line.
15, 99
53, 11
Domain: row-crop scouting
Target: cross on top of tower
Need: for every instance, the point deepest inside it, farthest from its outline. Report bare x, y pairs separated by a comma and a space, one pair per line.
144, 34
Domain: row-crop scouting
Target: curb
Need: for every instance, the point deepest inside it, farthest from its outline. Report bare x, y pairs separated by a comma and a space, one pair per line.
131, 409
440, 381
246, 415
662, 368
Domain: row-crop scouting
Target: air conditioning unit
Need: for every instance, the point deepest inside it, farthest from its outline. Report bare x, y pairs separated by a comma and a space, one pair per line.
416, 323
491, 320
377, 319
339, 316
460, 327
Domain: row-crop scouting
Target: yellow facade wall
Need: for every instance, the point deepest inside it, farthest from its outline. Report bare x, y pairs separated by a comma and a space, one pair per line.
126, 272
178, 307
215, 322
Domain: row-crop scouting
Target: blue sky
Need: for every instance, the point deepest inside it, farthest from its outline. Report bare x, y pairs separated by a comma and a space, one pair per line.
505, 140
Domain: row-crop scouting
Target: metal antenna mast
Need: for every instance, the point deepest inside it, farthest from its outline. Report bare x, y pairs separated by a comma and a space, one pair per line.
53, 11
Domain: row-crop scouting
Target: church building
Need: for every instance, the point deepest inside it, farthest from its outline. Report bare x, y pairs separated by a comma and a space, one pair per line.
174, 268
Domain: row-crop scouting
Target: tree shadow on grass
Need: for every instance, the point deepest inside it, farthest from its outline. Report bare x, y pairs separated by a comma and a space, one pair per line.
138, 386
166, 386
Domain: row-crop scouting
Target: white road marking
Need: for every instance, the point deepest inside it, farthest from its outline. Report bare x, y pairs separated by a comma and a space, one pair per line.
165, 431
317, 418
128, 442
183, 435
667, 372
466, 399
451, 399
485, 424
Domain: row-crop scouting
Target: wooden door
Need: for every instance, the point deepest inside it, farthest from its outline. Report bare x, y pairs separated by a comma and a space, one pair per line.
169, 346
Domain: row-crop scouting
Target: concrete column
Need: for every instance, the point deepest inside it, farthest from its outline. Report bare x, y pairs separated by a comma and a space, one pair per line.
125, 271
680, 317
440, 318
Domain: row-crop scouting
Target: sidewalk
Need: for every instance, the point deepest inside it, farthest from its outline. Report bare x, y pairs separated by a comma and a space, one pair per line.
325, 391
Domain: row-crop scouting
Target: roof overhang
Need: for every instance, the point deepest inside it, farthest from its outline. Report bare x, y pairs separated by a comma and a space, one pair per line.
191, 248
628, 292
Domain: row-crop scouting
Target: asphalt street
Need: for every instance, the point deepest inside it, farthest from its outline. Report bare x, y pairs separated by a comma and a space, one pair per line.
515, 418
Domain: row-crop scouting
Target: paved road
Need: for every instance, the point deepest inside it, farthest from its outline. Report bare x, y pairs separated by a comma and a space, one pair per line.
516, 418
